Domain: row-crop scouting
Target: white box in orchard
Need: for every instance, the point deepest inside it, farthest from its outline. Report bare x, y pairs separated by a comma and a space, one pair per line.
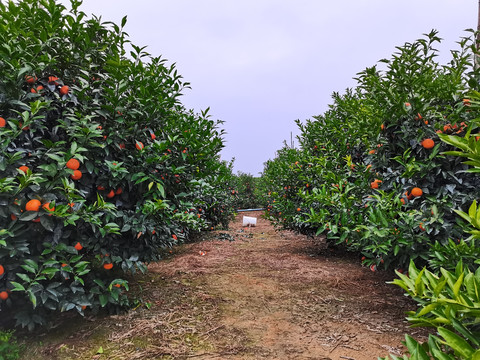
249, 221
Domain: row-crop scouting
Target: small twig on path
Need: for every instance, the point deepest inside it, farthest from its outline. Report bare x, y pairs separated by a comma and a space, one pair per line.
214, 329
338, 343
347, 357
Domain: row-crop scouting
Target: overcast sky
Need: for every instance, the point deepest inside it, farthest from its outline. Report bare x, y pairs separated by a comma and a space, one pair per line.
261, 64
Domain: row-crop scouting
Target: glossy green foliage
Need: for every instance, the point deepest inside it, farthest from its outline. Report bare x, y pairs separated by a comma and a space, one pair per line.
146, 171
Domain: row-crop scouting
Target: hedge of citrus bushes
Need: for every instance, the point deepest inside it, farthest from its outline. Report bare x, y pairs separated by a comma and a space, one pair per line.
383, 173
101, 166
371, 173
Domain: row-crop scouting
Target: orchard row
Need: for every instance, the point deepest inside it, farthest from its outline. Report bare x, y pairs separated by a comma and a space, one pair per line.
390, 172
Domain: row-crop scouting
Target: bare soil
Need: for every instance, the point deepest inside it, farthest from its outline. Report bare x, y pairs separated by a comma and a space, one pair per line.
245, 293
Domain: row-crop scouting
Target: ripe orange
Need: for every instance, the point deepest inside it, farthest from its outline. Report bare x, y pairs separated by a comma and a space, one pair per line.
117, 285
52, 79
77, 175
33, 205
174, 237
298, 209
402, 200
466, 102
23, 168
3, 295
30, 79
63, 265
407, 104
382, 127
2, 122
111, 194
119, 191
428, 143
139, 145
374, 185
73, 164
100, 187
36, 90
108, 266
64, 90
2, 270
84, 307
418, 117
121, 146
78, 246
13, 217
47, 207
421, 227
152, 135
417, 192
36, 220
371, 152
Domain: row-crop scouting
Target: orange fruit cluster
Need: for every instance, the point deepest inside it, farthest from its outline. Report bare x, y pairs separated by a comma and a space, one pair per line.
375, 183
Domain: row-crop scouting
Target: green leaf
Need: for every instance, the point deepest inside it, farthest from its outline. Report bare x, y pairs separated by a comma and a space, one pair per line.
17, 286
458, 285
427, 309
476, 355
73, 148
457, 343
161, 190
419, 284
103, 300
56, 158
24, 277
415, 349
31, 263
28, 268
32, 297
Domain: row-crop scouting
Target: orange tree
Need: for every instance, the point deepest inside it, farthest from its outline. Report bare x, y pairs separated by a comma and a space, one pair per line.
448, 300
101, 166
245, 190
370, 174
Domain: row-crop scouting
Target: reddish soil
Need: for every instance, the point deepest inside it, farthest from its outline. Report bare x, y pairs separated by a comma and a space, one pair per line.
248, 293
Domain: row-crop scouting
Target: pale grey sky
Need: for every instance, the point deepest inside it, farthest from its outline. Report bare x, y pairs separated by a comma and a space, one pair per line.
261, 64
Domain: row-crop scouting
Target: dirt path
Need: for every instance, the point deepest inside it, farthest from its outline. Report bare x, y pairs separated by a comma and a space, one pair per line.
246, 294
